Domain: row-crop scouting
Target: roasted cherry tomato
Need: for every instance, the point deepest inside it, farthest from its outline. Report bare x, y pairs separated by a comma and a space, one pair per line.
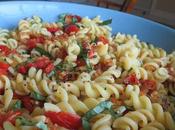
5, 50
64, 119
49, 68
3, 68
22, 69
42, 62
32, 42
72, 28
131, 79
148, 85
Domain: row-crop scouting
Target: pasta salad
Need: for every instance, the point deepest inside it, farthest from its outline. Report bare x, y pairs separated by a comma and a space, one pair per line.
74, 74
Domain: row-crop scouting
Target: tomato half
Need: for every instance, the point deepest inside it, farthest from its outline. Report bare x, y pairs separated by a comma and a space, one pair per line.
64, 119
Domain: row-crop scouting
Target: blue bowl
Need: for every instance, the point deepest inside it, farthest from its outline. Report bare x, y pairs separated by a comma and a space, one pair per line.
160, 35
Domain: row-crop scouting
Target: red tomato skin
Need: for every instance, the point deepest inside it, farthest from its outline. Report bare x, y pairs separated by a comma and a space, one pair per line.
131, 79
29, 65
28, 103
72, 28
64, 119
32, 43
6, 51
53, 29
78, 18
42, 62
4, 66
22, 69
9, 116
49, 68
103, 39
91, 53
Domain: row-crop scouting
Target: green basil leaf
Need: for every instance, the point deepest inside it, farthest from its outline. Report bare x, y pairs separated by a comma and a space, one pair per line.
74, 20
42, 52
106, 22
61, 18
59, 67
41, 125
95, 111
85, 123
17, 105
88, 64
24, 121
37, 96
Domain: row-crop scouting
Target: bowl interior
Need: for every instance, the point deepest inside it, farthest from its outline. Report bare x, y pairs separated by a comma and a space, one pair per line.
160, 35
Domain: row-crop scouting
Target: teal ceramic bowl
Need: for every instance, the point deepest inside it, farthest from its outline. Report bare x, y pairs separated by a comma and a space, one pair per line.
152, 32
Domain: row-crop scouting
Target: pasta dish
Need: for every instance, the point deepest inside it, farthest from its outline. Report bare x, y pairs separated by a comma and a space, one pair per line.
74, 74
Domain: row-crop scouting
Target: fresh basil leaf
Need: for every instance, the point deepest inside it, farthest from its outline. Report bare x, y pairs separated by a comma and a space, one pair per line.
88, 64
42, 52
95, 111
17, 105
61, 18
37, 96
74, 20
106, 22
83, 54
85, 123
24, 121
59, 67
41, 125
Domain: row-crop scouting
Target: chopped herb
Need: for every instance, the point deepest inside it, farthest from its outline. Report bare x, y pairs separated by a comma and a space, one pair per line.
105, 105
61, 18
37, 96
59, 67
74, 20
42, 52
24, 121
106, 22
88, 64
93, 112
83, 54
41, 125
17, 105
